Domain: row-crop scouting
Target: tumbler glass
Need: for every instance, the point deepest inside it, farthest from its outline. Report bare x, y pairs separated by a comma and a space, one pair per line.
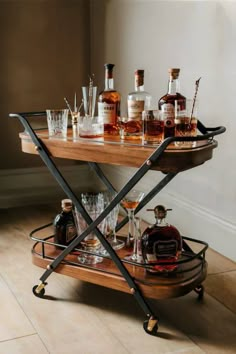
57, 120
94, 205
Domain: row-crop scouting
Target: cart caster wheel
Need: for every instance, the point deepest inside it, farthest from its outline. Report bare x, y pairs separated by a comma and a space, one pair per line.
38, 290
151, 326
200, 291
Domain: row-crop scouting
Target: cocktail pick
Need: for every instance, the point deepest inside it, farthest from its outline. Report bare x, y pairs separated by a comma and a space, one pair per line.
91, 78
81, 104
75, 103
194, 98
68, 106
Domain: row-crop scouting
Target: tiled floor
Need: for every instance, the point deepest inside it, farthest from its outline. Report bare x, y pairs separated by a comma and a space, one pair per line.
78, 317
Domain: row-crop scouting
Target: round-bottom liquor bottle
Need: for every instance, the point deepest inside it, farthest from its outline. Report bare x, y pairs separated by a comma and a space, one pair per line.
161, 244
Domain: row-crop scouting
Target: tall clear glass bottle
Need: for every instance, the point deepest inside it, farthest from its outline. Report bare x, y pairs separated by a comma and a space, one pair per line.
138, 100
167, 102
109, 103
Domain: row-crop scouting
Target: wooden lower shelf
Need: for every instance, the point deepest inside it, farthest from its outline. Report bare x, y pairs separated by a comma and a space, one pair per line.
107, 274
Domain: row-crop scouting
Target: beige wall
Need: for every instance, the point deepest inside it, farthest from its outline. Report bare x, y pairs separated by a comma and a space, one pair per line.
45, 51
199, 37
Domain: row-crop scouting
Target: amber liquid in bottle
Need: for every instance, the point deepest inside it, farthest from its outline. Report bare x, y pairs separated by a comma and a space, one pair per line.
109, 103
161, 244
167, 103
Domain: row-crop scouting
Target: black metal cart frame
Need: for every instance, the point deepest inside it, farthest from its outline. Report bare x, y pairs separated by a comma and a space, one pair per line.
207, 133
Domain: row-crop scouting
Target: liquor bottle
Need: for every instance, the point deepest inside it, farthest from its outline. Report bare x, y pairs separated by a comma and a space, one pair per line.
109, 103
167, 103
64, 225
137, 101
161, 244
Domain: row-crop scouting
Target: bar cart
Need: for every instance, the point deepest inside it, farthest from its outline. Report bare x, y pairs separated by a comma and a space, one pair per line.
115, 271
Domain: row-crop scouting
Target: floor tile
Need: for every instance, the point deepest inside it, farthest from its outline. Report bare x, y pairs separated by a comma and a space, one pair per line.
14, 322
24, 345
208, 324
223, 288
218, 263
124, 318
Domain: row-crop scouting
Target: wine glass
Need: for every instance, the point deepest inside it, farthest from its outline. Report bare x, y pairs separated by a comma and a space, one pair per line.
110, 224
112, 221
130, 203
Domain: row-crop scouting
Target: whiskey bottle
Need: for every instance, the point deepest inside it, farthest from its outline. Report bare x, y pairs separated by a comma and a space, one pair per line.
137, 101
109, 103
161, 244
64, 225
167, 103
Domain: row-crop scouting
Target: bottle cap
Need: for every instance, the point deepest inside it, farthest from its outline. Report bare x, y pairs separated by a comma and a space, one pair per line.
160, 211
66, 203
108, 72
109, 66
139, 72
174, 72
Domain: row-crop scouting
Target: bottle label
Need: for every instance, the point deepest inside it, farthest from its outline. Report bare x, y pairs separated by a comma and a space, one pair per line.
70, 232
135, 109
107, 111
168, 114
165, 248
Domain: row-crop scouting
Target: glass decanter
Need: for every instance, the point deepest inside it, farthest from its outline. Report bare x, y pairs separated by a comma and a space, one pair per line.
161, 243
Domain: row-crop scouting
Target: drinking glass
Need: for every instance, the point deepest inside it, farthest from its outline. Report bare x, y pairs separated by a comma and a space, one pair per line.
111, 221
186, 122
57, 120
94, 205
89, 99
153, 127
90, 127
130, 203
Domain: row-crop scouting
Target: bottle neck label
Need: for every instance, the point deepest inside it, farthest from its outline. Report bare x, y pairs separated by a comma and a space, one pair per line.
107, 111
173, 86
139, 82
109, 84
135, 109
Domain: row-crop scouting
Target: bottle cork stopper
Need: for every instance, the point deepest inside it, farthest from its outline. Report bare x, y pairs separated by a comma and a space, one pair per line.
174, 72
66, 203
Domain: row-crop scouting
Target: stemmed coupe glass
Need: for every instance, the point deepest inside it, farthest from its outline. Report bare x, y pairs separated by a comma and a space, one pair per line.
130, 203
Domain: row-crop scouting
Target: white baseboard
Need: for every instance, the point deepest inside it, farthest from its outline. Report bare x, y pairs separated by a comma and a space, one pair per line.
28, 186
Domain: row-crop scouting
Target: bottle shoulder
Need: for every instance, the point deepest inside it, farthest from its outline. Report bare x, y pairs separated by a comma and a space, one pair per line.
170, 98
109, 96
138, 94
167, 231
63, 218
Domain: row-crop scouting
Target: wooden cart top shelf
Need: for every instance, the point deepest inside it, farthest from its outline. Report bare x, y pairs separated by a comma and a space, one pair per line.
112, 151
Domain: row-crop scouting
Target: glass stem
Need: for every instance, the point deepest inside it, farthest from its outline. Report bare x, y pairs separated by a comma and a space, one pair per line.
114, 236
131, 226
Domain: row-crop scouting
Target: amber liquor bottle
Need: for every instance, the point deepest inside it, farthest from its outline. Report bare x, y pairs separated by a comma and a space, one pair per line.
167, 103
64, 224
161, 244
109, 103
